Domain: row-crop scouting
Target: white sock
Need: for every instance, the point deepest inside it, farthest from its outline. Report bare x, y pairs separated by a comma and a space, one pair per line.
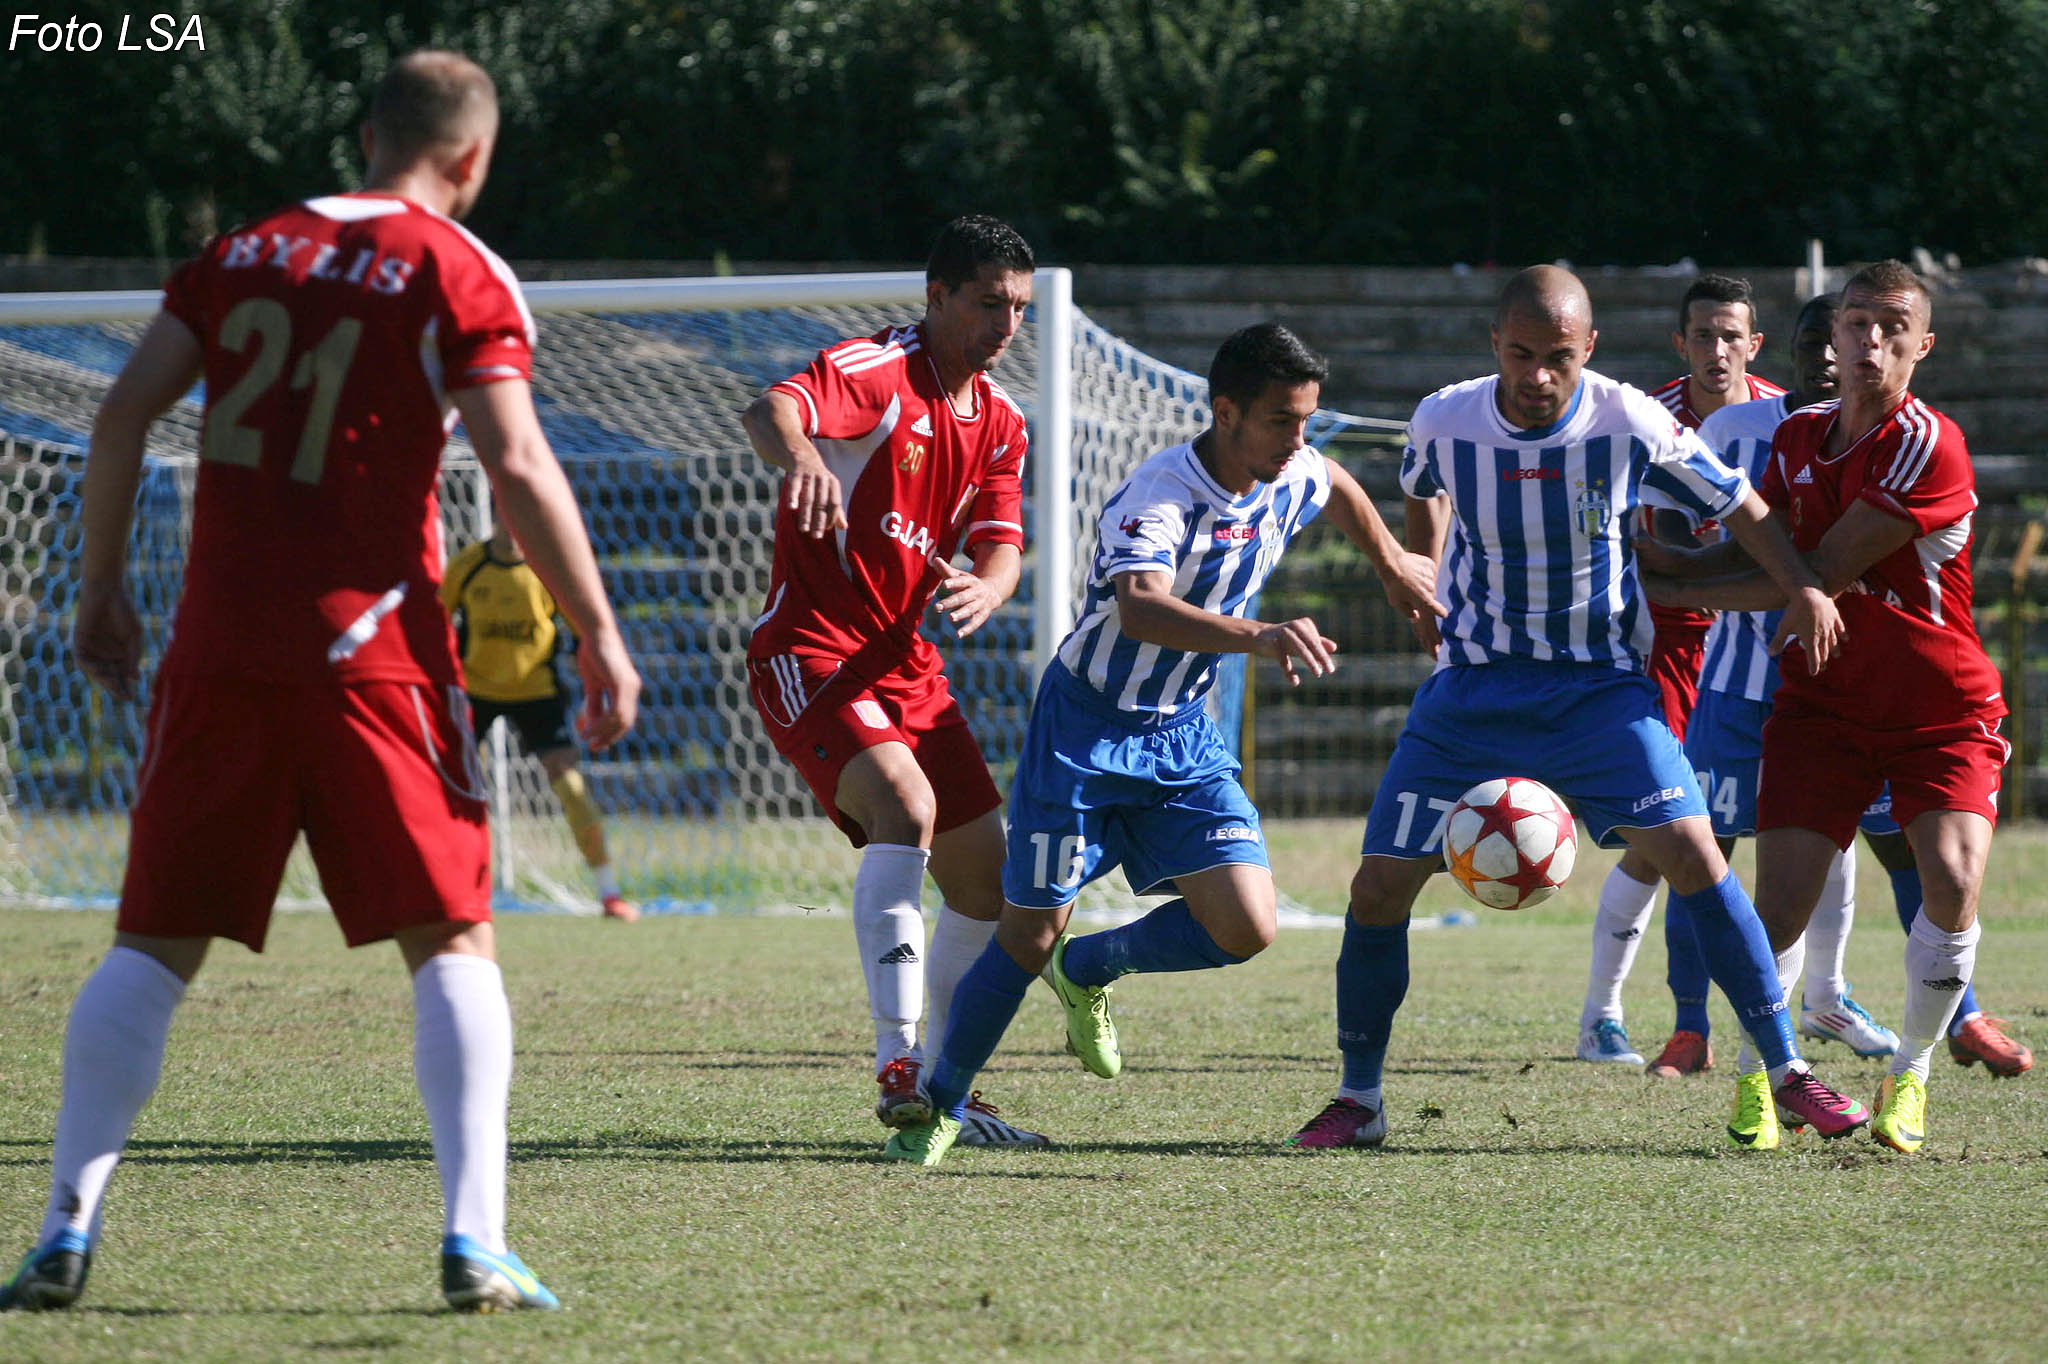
1747, 1059
462, 1059
607, 881
1625, 906
956, 942
1827, 933
113, 1054
1938, 965
888, 928
1369, 1098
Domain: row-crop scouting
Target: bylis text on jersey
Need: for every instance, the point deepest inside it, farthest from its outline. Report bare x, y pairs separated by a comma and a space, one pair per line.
133, 33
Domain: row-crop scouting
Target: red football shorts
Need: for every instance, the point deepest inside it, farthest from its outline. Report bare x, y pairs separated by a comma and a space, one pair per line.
1820, 772
821, 739
381, 776
1677, 653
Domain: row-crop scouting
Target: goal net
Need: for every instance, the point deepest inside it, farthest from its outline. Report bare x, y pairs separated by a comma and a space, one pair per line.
639, 385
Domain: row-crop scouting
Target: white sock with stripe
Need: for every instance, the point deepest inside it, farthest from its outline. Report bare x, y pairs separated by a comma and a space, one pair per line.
1938, 965
1625, 908
1827, 933
888, 928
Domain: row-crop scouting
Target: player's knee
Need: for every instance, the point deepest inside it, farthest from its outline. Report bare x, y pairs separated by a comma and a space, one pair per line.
1028, 936
1247, 935
1383, 889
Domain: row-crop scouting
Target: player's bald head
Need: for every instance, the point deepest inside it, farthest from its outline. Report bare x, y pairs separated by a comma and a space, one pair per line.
1546, 293
432, 100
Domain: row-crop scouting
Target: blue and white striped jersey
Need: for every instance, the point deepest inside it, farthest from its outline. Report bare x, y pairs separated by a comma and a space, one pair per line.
1171, 516
1738, 658
1539, 562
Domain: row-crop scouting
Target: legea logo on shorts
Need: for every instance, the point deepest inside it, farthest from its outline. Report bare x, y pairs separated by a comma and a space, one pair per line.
1657, 798
870, 714
1233, 833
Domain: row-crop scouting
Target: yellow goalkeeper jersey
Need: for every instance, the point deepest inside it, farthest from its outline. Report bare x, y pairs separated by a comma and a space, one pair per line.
505, 624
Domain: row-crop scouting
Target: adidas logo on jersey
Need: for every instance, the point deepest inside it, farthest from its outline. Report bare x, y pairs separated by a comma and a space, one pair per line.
1804, 475
923, 425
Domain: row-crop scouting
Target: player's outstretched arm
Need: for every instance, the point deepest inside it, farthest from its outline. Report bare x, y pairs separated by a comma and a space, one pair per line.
972, 597
106, 637
1810, 614
534, 499
1151, 614
1409, 578
775, 428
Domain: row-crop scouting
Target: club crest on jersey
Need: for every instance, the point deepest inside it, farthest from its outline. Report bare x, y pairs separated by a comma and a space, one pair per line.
1591, 511
908, 533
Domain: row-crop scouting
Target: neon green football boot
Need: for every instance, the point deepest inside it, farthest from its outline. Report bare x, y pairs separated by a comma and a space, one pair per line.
1901, 1121
1753, 1126
924, 1143
1091, 1035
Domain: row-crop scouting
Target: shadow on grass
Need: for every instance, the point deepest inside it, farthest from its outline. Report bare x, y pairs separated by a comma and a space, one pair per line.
90, 1309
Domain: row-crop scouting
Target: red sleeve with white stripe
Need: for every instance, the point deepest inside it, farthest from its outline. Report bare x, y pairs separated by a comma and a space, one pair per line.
1926, 478
998, 516
847, 388
485, 333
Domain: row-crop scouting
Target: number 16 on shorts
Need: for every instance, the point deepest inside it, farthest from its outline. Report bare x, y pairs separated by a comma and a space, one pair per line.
1061, 869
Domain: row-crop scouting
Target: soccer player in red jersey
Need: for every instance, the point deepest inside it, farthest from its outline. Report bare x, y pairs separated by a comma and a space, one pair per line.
311, 683
1879, 493
1717, 337
900, 451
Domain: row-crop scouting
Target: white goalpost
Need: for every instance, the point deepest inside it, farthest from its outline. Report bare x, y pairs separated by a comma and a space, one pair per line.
639, 385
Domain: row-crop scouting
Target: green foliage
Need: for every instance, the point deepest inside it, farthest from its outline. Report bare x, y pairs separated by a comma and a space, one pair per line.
1374, 131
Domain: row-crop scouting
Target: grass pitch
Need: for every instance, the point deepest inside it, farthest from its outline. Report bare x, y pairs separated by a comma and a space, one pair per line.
694, 1163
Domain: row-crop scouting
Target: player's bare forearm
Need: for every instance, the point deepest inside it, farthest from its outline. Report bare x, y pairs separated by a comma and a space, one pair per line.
534, 499
1748, 590
775, 428
968, 599
106, 634
1151, 614
1810, 613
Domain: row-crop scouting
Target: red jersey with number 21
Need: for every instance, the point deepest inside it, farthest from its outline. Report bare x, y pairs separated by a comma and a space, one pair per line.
909, 468
1911, 657
333, 332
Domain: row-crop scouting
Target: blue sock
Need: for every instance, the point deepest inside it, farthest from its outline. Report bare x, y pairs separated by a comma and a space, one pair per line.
1372, 980
985, 1001
1167, 939
1906, 896
1738, 955
1685, 968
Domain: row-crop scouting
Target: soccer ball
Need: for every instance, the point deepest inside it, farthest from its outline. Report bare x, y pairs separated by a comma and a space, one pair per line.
1510, 842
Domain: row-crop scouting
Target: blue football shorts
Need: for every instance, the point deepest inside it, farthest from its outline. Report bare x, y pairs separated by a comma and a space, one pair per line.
1097, 788
1724, 741
1877, 820
1591, 733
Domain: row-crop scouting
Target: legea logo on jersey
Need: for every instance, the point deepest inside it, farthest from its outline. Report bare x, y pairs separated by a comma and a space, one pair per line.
1233, 833
1525, 475
908, 533
1591, 511
1235, 534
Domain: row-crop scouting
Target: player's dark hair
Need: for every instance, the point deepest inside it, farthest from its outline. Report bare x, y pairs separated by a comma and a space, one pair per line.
430, 98
1818, 311
1717, 289
1890, 277
1254, 356
972, 241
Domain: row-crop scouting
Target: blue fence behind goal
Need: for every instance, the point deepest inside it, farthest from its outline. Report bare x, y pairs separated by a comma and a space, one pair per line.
642, 407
